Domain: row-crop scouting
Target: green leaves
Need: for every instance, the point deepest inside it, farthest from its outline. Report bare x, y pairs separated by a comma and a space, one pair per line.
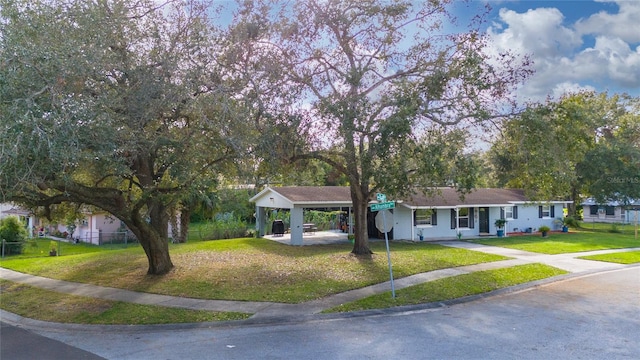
583, 144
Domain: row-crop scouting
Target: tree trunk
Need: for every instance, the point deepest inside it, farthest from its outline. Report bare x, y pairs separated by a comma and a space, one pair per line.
153, 237
155, 247
185, 216
360, 200
572, 207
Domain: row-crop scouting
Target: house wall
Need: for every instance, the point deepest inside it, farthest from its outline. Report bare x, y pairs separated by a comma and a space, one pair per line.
528, 217
619, 215
97, 229
29, 221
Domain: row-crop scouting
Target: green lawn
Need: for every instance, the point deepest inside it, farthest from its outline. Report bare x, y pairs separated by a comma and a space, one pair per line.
48, 305
626, 257
562, 243
249, 269
454, 287
262, 270
40, 247
608, 227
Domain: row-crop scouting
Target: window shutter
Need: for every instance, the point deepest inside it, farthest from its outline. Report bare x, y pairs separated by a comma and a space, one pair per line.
502, 212
453, 219
553, 212
515, 212
540, 211
434, 217
471, 217
414, 218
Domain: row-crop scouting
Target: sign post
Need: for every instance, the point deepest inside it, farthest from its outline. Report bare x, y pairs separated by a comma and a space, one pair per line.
384, 205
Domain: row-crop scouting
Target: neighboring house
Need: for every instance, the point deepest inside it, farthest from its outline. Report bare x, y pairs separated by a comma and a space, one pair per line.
100, 228
30, 220
442, 215
611, 212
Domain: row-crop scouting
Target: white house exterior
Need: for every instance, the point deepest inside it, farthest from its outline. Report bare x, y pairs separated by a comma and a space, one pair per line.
444, 214
441, 215
30, 220
99, 228
611, 212
296, 199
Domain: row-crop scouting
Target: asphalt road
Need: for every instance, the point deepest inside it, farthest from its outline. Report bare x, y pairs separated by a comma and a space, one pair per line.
589, 317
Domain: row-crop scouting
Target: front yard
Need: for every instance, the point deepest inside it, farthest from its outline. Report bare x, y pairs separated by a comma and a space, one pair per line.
262, 270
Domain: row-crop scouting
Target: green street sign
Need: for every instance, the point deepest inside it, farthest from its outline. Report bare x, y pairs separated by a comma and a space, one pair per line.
383, 206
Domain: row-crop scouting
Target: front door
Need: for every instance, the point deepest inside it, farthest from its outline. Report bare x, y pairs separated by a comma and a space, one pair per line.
483, 220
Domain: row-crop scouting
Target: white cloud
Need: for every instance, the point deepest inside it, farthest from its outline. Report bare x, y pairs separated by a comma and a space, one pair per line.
538, 31
569, 88
624, 25
561, 61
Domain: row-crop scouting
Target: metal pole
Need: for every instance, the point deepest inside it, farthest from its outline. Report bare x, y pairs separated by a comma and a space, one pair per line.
636, 236
386, 239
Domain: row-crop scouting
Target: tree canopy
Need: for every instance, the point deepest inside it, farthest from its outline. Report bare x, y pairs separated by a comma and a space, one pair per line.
570, 148
374, 86
115, 104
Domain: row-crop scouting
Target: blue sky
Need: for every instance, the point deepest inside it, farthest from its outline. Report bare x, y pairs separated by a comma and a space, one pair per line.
575, 44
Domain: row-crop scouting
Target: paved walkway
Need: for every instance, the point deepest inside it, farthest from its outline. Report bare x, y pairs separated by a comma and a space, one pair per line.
274, 311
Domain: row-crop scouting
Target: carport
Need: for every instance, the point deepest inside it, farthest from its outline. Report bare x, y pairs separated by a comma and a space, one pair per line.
296, 199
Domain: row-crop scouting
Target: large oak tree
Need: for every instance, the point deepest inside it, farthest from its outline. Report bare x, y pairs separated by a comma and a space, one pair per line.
114, 104
376, 84
581, 144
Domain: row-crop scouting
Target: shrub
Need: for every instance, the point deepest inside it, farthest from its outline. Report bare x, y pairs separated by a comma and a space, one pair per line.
14, 234
572, 222
324, 220
544, 228
615, 229
224, 226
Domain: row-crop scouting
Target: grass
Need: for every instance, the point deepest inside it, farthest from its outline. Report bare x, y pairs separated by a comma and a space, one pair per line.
262, 270
40, 248
250, 269
562, 243
625, 257
48, 305
608, 227
454, 287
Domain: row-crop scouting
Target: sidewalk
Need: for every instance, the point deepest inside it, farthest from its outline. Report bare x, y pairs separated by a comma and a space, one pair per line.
274, 311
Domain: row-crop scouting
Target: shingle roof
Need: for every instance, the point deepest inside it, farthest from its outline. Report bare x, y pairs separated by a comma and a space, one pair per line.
444, 197
592, 201
315, 193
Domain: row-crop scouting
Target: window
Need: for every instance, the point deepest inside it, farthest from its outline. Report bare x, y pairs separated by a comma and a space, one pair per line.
546, 211
463, 218
508, 212
609, 210
593, 210
425, 217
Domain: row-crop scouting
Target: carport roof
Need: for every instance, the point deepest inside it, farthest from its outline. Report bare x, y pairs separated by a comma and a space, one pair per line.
329, 196
315, 193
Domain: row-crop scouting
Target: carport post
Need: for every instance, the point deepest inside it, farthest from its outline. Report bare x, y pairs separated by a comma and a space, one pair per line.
295, 223
260, 221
